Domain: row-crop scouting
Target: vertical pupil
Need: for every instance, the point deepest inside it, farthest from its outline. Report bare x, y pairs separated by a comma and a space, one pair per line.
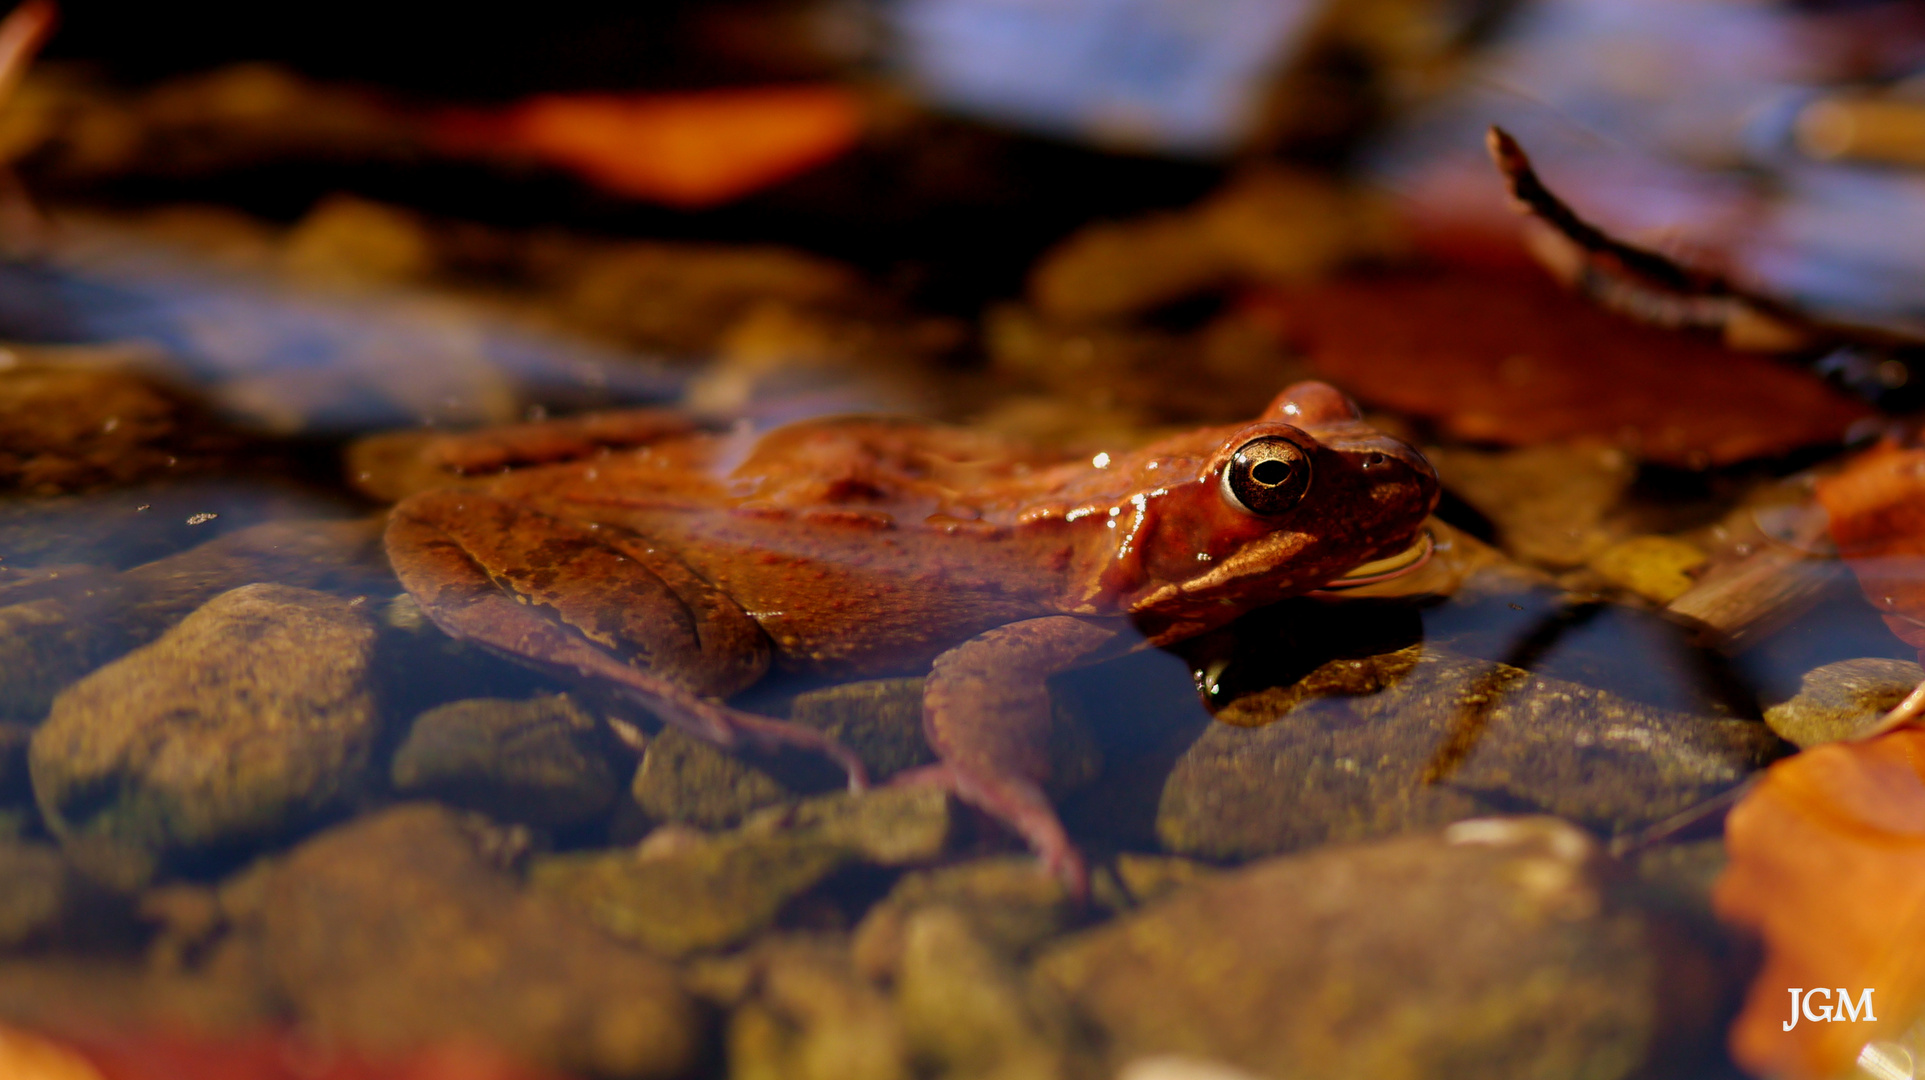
1270, 472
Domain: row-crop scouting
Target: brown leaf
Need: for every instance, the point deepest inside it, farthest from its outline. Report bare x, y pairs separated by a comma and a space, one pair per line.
1828, 867
1508, 357
1876, 506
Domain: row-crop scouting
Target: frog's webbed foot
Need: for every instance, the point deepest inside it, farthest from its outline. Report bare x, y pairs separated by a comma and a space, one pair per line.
562, 597
986, 712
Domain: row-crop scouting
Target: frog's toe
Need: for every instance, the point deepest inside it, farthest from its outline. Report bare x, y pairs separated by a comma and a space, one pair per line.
1022, 807
772, 734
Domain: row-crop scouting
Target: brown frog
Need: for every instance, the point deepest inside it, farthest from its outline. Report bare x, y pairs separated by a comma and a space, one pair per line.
677, 566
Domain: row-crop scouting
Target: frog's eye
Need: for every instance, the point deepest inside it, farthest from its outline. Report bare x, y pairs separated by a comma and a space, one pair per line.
1267, 475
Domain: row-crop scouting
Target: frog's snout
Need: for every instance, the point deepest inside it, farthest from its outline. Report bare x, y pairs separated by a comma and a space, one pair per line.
1387, 465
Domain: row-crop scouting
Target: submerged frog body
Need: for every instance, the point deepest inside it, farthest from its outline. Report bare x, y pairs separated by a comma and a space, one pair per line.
678, 566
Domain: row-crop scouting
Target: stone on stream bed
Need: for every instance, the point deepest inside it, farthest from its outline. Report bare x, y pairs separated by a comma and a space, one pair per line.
879, 719
688, 781
803, 1013
1009, 904
16, 787
543, 761
1416, 738
968, 1011
64, 628
1837, 701
685, 780
1495, 949
683, 892
251, 717
45, 902
398, 930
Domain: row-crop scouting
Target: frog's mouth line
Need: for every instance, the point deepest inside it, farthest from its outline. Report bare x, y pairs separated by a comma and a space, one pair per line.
1370, 573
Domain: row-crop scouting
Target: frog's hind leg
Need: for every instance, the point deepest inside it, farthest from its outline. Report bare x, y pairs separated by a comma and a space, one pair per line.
543, 442
571, 599
986, 713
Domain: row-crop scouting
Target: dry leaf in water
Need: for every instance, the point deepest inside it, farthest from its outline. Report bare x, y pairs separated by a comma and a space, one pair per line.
1876, 507
1508, 357
1827, 865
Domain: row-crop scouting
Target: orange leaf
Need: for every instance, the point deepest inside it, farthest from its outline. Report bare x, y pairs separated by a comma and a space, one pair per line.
1876, 506
1828, 867
1511, 358
690, 149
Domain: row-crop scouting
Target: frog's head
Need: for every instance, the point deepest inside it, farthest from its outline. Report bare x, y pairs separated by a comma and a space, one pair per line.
1287, 504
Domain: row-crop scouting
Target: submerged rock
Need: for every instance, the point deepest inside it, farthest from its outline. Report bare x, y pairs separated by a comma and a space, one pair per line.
16, 788
707, 893
683, 892
64, 629
684, 780
1010, 905
396, 930
45, 902
1839, 700
879, 719
811, 1017
1493, 949
249, 718
543, 761
968, 1011
1413, 739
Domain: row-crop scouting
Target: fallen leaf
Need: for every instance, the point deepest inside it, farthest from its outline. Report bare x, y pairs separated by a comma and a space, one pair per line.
686, 149
1827, 866
1876, 507
1508, 357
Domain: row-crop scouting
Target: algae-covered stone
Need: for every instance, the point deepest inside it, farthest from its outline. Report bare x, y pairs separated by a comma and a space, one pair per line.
811, 1017
685, 780
16, 788
249, 718
61, 633
1493, 949
879, 719
1138, 879
44, 901
968, 1011
709, 892
1657, 568
898, 826
1681, 875
1839, 700
397, 930
543, 761
1413, 739
1010, 904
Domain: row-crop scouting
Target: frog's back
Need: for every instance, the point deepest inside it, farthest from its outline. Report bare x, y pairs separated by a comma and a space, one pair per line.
857, 543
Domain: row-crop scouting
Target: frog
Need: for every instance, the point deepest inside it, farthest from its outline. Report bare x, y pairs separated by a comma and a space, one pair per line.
675, 564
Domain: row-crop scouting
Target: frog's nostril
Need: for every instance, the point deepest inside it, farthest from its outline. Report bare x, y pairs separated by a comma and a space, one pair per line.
1374, 460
